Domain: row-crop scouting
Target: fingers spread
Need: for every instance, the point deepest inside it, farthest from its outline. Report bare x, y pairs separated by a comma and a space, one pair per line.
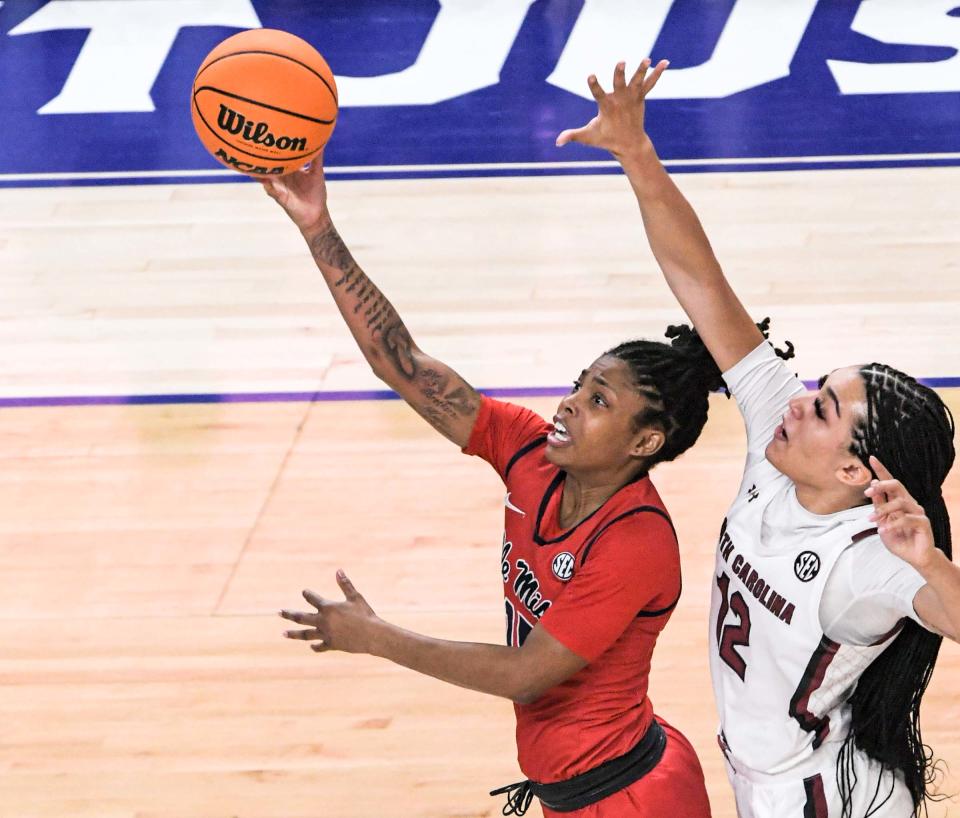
570, 135
655, 75
640, 73
619, 76
308, 634
347, 586
299, 617
598, 93
314, 599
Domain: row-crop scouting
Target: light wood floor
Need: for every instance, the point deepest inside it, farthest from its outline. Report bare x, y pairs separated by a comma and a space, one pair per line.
144, 550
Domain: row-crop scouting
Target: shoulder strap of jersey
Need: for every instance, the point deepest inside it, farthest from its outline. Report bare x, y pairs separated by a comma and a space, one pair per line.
639, 510
533, 444
619, 517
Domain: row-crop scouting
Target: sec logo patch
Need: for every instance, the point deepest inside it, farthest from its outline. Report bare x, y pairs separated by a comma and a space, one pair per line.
806, 566
563, 566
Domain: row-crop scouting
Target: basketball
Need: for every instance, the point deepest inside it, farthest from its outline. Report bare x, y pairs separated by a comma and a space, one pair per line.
264, 102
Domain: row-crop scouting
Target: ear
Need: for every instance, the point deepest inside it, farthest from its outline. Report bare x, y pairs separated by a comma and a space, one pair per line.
851, 472
648, 443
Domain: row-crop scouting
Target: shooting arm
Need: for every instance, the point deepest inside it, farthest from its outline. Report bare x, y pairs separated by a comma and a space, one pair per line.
434, 390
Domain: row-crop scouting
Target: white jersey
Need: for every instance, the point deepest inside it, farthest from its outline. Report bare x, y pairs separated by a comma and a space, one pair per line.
780, 683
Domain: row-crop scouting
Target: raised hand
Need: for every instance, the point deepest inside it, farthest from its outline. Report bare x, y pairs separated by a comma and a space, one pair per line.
618, 124
302, 194
345, 626
901, 521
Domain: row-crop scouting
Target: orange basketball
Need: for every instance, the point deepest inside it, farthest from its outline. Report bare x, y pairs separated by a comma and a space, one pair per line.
264, 102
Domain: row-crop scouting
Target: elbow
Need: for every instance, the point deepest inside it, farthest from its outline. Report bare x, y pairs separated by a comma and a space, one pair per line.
380, 366
376, 361
393, 368
944, 633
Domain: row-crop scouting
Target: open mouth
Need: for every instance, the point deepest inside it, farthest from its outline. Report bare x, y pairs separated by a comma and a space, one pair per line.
780, 433
559, 436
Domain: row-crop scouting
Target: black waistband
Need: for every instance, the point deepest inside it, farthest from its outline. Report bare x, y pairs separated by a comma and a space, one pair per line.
593, 785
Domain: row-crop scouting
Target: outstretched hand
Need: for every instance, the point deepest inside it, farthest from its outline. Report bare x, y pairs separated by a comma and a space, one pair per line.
345, 626
302, 194
618, 124
901, 521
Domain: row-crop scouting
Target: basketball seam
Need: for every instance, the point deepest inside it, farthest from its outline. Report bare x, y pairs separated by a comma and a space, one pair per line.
241, 150
262, 104
272, 54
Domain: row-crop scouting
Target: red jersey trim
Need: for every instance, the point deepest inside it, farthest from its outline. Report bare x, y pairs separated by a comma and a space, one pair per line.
651, 614
645, 613
862, 535
816, 803
551, 490
813, 677
631, 512
892, 632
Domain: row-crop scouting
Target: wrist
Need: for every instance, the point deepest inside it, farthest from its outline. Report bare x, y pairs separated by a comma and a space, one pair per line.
933, 565
638, 157
317, 227
379, 635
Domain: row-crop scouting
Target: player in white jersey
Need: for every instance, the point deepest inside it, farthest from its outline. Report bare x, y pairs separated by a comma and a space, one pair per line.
828, 610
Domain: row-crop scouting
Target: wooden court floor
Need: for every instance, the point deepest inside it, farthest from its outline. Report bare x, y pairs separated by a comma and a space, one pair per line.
145, 550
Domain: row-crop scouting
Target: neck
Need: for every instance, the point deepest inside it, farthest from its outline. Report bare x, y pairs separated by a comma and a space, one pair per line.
583, 495
818, 501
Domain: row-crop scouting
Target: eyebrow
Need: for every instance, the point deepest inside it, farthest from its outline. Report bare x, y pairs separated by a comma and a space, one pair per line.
836, 400
599, 379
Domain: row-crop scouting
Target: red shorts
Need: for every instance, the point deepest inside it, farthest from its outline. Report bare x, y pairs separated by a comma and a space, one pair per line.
674, 787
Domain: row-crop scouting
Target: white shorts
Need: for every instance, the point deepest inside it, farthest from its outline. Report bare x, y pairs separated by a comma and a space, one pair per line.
816, 794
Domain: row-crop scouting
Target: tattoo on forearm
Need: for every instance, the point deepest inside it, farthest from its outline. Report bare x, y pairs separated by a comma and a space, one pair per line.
329, 248
444, 397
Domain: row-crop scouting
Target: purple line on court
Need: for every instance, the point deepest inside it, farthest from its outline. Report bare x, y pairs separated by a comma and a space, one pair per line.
310, 397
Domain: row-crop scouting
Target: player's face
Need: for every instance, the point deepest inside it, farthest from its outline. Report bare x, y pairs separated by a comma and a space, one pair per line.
594, 427
812, 445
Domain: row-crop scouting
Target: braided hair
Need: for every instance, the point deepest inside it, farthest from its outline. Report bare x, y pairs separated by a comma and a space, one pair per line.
676, 379
910, 430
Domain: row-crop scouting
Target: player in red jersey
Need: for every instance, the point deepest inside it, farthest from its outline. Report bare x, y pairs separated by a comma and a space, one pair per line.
589, 560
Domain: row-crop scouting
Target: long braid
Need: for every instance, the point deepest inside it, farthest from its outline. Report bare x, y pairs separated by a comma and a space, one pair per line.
676, 379
910, 430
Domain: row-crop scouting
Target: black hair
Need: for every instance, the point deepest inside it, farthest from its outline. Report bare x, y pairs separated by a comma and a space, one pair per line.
909, 429
676, 379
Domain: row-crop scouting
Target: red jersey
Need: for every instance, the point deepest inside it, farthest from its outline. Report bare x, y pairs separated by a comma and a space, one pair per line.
604, 589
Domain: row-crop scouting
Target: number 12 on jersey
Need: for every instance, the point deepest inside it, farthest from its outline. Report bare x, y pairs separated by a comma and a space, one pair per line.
732, 636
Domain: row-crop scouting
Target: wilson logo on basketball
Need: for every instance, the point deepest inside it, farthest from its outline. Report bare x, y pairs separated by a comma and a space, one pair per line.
258, 133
